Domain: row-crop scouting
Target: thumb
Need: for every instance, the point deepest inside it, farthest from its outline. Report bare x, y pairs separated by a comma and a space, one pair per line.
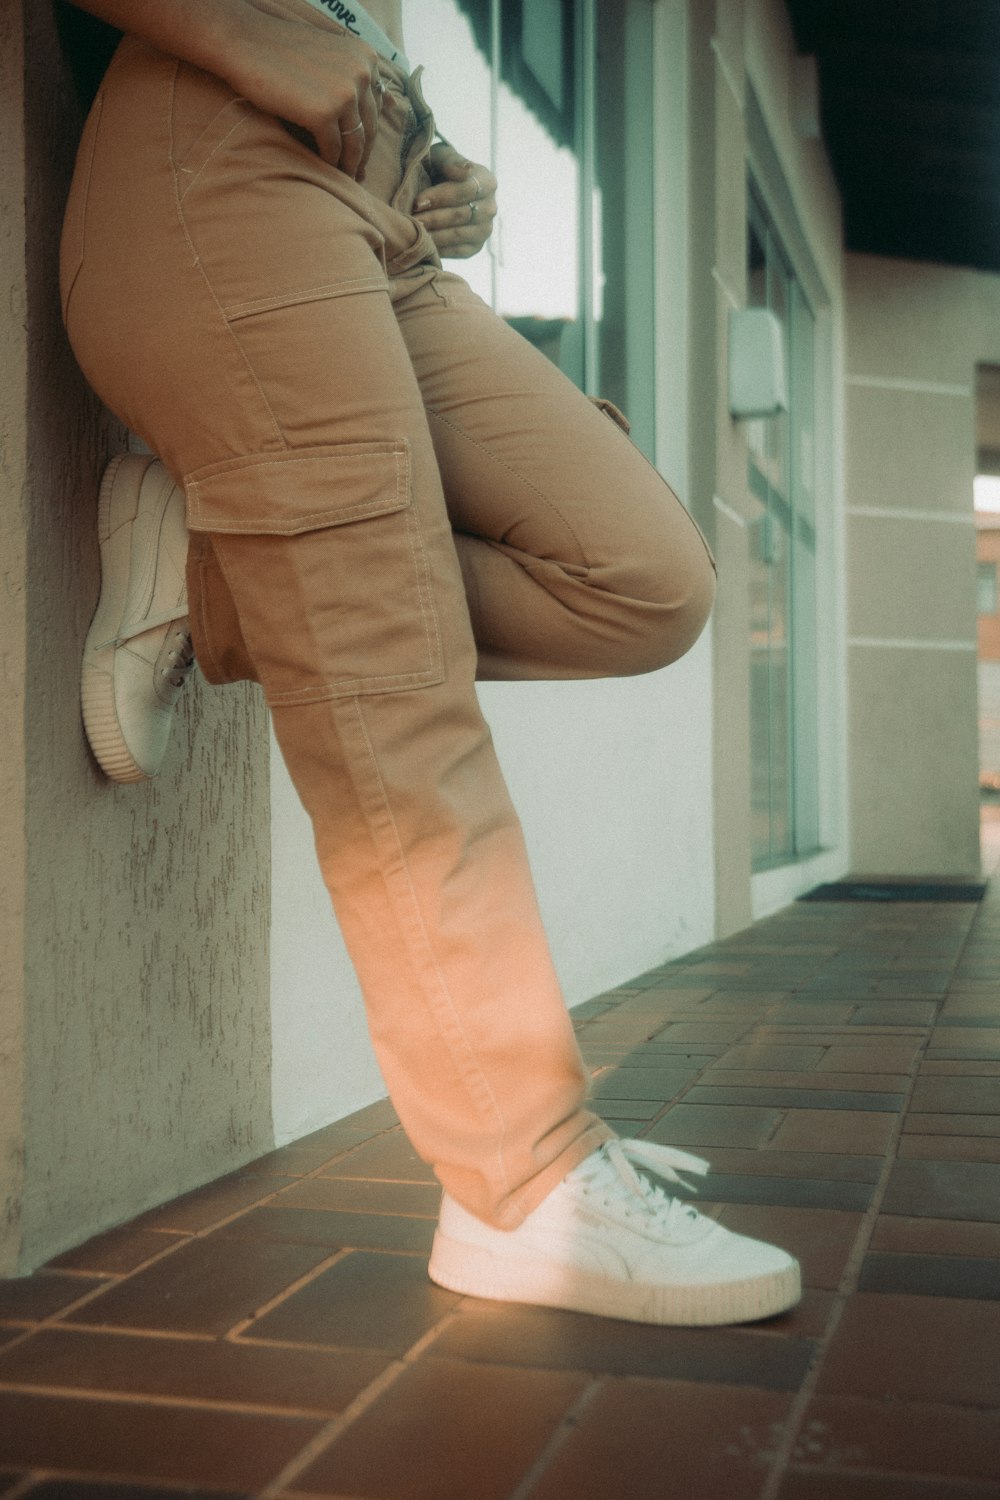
451, 163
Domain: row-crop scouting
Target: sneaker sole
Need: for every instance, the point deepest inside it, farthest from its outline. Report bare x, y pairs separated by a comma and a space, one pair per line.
97, 687
475, 1272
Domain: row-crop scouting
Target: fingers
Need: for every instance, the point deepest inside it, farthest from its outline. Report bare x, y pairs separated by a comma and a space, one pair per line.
460, 243
347, 140
358, 126
452, 205
454, 244
463, 239
446, 162
370, 107
459, 208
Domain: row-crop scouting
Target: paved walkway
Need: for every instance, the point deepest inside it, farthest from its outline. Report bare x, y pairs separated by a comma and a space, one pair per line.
274, 1333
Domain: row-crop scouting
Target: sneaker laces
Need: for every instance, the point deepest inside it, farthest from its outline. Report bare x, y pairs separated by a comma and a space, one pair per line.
179, 656
147, 623
175, 660
610, 1174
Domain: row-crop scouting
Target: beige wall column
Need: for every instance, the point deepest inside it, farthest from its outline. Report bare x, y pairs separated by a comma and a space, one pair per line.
743, 116
717, 447
915, 335
135, 1035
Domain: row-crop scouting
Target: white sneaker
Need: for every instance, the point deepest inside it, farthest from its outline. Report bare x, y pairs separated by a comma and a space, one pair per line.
138, 654
607, 1241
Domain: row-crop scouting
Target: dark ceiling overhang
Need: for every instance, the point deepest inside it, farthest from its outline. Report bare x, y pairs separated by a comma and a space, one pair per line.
910, 100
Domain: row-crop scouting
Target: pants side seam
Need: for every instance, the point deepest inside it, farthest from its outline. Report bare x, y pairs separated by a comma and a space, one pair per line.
196, 258
212, 668
453, 1033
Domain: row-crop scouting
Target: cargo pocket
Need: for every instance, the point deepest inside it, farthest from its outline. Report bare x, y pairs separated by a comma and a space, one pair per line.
322, 551
614, 412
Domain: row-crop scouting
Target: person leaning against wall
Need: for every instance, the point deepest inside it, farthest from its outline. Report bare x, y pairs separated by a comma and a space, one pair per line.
379, 492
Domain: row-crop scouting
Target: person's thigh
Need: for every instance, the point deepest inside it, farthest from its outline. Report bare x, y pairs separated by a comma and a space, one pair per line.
591, 563
203, 243
247, 334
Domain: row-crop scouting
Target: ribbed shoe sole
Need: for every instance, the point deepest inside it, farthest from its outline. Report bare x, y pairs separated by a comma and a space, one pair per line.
104, 733
476, 1272
97, 687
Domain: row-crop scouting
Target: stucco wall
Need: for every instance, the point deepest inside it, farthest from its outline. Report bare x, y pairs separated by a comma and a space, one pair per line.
13, 459
143, 985
915, 335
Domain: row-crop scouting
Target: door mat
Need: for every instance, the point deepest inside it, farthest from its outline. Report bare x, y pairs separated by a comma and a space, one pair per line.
897, 890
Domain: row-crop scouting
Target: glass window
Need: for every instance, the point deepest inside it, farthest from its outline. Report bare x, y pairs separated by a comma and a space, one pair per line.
539, 157
986, 588
783, 645
623, 193
556, 96
453, 42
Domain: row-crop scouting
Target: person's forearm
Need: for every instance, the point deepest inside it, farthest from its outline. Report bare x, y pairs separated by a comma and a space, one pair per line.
325, 81
207, 33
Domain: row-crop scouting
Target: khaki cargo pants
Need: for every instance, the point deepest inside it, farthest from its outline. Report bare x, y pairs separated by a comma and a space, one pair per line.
389, 492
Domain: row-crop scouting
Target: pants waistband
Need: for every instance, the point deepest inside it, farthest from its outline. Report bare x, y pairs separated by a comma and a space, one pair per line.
355, 18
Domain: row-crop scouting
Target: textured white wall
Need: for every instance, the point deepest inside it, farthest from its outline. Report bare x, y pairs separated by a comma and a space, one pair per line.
322, 1065
613, 784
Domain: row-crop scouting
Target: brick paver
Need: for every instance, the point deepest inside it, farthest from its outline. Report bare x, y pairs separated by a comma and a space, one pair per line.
274, 1335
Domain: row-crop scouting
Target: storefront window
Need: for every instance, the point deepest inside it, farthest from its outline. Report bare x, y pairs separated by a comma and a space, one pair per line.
556, 96
782, 477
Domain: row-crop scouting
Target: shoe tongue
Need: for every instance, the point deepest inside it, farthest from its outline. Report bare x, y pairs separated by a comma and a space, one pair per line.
592, 1166
608, 1167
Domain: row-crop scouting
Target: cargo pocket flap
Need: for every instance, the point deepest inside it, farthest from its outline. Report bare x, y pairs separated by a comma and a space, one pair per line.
615, 413
284, 494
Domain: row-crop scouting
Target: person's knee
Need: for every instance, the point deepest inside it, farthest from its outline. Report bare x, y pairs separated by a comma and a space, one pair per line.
693, 610
671, 613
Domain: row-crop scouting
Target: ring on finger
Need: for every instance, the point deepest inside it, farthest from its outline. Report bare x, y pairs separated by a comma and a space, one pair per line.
378, 87
354, 129
473, 211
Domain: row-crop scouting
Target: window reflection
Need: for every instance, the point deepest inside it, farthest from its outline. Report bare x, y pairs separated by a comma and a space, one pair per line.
535, 244
783, 696
454, 48
556, 96
537, 153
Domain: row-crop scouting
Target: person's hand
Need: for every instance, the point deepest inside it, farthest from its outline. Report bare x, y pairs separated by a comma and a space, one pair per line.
325, 83
459, 208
